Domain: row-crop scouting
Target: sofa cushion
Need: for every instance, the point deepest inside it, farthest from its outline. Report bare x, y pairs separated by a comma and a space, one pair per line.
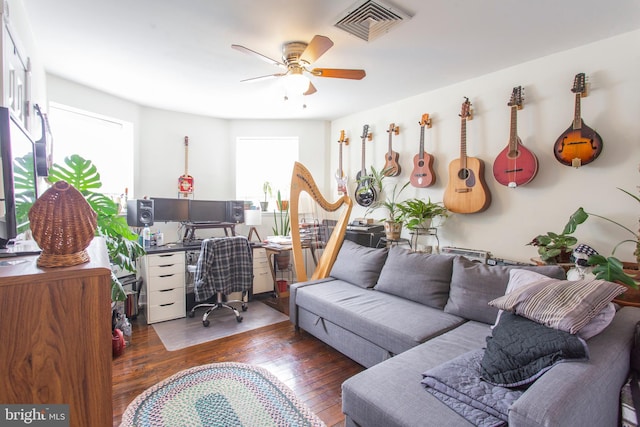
422, 278
519, 278
560, 304
391, 322
358, 264
473, 285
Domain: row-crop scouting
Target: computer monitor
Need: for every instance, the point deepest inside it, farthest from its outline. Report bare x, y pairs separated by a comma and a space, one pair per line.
166, 209
207, 210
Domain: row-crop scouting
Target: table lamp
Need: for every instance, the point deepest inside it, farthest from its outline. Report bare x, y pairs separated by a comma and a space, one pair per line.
252, 218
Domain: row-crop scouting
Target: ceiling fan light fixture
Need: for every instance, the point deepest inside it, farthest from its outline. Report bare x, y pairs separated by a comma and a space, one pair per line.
295, 83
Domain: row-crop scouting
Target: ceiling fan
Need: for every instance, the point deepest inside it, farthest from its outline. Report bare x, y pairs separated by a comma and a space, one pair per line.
296, 58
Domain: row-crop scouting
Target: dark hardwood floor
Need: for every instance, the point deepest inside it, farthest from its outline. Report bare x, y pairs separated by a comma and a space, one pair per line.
312, 369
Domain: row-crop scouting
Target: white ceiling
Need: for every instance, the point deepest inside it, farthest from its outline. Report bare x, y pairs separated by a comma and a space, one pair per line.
177, 55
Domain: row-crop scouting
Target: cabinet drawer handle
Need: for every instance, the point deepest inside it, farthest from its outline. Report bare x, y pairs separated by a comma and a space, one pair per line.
165, 265
166, 290
166, 305
167, 275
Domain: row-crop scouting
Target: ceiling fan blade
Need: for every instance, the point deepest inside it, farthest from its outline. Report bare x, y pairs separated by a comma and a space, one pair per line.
339, 73
258, 55
260, 78
312, 89
316, 48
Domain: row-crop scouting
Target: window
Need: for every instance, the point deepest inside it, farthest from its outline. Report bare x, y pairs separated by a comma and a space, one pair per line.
107, 142
264, 159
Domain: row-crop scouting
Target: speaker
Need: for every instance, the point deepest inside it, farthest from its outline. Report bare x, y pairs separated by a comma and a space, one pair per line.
139, 213
234, 211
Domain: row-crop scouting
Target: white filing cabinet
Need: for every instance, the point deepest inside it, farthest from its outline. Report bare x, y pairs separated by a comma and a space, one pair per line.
164, 279
262, 279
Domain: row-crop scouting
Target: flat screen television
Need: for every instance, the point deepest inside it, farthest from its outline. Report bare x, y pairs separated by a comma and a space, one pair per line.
19, 188
207, 210
170, 210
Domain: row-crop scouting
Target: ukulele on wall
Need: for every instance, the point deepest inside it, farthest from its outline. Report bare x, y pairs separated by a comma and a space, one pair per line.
515, 165
365, 193
185, 182
391, 165
422, 174
466, 190
578, 145
341, 177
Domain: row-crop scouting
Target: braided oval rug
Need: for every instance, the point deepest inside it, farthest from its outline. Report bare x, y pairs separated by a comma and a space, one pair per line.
219, 394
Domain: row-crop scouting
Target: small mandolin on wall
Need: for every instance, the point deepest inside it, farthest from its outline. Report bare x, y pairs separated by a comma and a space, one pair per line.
422, 174
466, 190
515, 165
185, 181
391, 165
579, 145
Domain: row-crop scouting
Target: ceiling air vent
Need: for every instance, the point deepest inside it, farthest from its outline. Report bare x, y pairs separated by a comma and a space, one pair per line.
370, 19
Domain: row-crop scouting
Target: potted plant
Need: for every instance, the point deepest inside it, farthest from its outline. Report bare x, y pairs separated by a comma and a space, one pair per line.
394, 217
611, 268
122, 243
266, 189
417, 214
554, 248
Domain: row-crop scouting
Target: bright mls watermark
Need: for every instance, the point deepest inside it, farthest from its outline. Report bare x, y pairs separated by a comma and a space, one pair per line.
34, 415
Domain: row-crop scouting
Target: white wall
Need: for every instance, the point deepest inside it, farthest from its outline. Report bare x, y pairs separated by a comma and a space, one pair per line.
515, 216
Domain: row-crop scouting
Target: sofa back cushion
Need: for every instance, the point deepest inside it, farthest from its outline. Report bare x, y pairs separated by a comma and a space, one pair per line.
473, 285
359, 264
419, 277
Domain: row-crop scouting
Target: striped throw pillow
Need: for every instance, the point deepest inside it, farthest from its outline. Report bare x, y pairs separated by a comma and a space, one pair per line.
561, 304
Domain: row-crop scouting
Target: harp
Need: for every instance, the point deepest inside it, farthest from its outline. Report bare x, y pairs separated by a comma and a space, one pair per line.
301, 182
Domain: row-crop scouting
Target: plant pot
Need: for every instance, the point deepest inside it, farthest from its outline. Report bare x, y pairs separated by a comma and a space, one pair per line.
283, 205
264, 206
392, 230
282, 260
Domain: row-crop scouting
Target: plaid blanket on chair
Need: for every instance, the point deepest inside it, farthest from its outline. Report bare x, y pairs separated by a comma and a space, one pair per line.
225, 265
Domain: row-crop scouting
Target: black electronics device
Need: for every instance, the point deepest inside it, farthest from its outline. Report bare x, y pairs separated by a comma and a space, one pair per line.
140, 212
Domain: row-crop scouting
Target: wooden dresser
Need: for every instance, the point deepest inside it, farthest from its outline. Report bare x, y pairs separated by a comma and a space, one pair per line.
55, 325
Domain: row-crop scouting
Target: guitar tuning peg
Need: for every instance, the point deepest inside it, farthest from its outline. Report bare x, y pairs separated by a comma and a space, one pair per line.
370, 136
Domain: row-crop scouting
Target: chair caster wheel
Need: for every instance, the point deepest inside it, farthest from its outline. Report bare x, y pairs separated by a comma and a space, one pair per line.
244, 307
239, 319
205, 322
191, 314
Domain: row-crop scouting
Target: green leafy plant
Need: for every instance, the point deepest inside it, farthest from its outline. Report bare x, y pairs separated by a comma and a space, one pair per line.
390, 204
610, 268
281, 221
266, 189
415, 212
122, 243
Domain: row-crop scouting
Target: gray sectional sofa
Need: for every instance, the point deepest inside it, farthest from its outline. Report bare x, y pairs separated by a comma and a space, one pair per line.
401, 314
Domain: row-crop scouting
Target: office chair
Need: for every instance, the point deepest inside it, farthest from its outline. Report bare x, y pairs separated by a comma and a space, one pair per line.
225, 265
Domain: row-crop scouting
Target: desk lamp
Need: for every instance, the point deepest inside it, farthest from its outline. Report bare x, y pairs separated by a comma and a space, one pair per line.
252, 218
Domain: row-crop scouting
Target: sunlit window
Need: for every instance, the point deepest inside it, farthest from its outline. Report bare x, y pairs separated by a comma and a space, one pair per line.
106, 141
264, 159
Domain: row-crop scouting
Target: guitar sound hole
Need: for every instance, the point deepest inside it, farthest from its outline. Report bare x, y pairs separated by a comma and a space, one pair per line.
421, 163
463, 174
513, 154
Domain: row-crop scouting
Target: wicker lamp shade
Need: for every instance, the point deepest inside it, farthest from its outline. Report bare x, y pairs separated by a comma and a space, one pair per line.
63, 225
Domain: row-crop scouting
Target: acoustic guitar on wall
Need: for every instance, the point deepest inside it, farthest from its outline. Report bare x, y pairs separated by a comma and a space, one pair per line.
391, 165
466, 190
365, 193
422, 174
185, 181
341, 177
515, 165
579, 145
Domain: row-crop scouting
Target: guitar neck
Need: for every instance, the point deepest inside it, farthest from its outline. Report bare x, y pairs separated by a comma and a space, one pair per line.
340, 159
513, 134
390, 137
577, 121
421, 153
363, 145
463, 143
